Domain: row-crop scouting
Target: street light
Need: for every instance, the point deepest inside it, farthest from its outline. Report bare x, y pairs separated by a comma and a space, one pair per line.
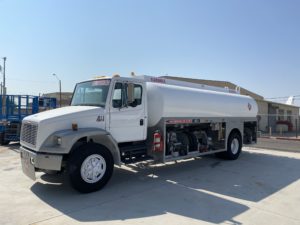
59, 82
4, 87
2, 69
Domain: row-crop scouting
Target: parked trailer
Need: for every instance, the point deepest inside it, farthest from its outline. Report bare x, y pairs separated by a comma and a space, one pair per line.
13, 110
112, 121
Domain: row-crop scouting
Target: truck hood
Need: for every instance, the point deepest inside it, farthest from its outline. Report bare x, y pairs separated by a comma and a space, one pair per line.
51, 121
66, 113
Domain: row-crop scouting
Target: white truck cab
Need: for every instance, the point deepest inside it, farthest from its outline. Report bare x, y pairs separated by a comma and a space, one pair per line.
126, 119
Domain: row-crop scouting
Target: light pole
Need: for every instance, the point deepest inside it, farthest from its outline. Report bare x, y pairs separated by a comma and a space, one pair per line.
4, 87
59, 82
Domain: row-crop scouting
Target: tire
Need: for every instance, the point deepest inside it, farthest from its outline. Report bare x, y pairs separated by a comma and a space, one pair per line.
51, 172
184, 140
234, 147
247, 136
84, 175
193, 143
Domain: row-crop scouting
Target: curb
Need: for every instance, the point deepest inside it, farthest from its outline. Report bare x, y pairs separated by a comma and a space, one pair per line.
275, 149
281, 138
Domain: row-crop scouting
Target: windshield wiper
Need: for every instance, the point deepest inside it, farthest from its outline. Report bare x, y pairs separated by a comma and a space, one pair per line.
87, 104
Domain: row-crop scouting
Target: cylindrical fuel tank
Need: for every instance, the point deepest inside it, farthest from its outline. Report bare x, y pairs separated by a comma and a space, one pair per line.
181, 102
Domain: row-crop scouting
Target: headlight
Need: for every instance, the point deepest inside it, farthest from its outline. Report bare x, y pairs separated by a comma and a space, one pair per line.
58, 140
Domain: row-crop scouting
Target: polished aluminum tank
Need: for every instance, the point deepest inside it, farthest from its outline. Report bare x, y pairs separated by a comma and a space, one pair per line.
181, 102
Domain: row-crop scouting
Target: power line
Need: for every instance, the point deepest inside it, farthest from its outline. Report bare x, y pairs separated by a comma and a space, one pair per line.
31, 81
295, 96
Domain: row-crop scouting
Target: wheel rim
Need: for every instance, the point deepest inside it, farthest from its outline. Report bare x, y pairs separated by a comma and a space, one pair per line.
235, 145
93, 168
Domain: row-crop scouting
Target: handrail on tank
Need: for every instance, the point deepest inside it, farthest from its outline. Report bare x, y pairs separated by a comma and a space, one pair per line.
187, 84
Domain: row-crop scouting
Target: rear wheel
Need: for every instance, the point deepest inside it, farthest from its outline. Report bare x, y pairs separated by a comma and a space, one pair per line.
248, 136
193, 142
184, 140
90, 167
234, 147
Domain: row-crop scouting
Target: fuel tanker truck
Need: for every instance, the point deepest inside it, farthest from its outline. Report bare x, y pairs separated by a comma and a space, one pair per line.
123, 120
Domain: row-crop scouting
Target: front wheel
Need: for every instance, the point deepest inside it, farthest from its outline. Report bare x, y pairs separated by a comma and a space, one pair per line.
90, 167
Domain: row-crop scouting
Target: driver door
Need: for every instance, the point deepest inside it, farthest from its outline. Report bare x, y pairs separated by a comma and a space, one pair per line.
127, 121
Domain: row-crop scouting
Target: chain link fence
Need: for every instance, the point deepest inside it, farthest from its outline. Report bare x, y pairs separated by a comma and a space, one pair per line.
279, 125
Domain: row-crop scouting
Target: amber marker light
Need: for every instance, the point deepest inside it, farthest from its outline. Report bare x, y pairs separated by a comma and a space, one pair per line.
74, 126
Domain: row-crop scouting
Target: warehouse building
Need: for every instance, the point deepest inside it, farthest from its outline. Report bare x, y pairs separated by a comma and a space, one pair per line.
65, 97
274, 115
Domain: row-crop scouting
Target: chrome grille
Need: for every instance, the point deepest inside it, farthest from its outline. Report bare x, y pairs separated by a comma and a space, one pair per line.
29, 133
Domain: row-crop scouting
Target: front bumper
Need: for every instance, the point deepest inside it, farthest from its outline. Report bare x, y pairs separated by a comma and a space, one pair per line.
33, 160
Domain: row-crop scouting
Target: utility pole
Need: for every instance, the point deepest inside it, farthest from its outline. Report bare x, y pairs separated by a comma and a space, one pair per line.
1, 82
296, 128
3, 89
60, 93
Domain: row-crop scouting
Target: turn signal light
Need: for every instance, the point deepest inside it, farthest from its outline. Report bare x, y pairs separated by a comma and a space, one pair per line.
74, 126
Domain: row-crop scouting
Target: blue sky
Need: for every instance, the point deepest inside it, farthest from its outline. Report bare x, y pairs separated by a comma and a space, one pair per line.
255, 44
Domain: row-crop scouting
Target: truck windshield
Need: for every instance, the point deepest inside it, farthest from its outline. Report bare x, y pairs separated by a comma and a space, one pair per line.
91, 93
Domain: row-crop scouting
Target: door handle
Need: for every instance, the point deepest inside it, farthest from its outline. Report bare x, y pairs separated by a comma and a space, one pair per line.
141, 122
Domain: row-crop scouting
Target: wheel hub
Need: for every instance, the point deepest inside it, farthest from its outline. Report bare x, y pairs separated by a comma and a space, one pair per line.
93, 168
235, 145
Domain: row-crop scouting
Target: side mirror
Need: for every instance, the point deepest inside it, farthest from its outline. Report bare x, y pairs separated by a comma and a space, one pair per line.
130, 93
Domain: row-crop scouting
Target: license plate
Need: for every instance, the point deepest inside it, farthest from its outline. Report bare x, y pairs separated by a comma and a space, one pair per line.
27, 167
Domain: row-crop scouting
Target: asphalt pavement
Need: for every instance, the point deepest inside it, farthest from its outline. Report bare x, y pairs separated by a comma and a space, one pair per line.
261, 187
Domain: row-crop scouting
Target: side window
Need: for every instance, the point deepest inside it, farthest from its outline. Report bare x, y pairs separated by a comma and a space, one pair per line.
137, 95
118, 96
